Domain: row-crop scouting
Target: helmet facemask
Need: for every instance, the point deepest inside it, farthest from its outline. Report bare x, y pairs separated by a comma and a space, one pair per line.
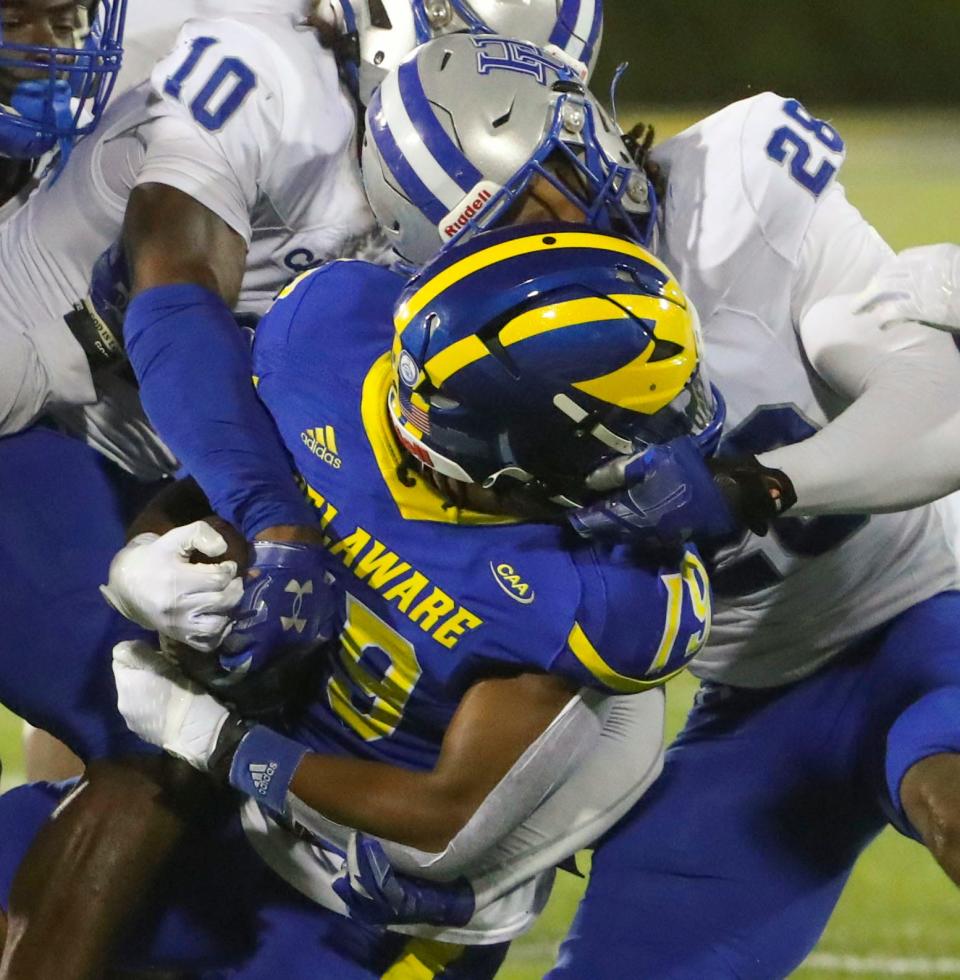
50, 95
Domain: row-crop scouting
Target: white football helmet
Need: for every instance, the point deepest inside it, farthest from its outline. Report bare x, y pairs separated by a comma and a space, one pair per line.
456, 135
386, 31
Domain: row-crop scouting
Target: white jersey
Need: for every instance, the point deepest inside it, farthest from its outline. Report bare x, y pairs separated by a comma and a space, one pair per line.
247, 116
752, 229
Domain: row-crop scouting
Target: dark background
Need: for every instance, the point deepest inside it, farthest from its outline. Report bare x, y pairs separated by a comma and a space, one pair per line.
895, 52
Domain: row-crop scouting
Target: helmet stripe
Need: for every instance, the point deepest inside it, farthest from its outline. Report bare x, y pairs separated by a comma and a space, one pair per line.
555, 316
506, 250
422, 115
451, 359
412, 148
396, 162
593, 35
564, 27
578, 27
349, 17
571, 313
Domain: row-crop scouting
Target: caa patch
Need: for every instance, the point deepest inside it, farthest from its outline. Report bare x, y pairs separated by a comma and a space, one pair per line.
507, 577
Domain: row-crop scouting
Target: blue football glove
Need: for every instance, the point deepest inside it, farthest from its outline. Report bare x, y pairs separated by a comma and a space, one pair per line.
378, 895
668, 494
289, 606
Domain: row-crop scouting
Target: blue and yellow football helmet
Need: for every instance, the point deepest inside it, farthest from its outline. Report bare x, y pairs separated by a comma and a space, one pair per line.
538, 353
53, 93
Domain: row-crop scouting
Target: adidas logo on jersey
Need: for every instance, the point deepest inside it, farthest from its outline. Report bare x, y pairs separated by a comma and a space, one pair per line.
261, 774
322, 442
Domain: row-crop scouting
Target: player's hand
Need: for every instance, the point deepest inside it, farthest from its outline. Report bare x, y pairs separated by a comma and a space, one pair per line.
288, 607
921, 284
161, 706
153, 583
378, 895
657, 498
668, 494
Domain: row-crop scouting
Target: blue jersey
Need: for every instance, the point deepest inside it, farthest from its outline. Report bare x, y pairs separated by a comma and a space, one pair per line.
438, 597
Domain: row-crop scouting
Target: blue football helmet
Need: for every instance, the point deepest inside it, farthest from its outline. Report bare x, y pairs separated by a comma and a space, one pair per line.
459, 132
384, 32
535, 354
52, 95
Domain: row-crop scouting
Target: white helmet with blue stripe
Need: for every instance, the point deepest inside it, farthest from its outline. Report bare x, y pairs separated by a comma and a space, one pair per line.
458, 132
386, 31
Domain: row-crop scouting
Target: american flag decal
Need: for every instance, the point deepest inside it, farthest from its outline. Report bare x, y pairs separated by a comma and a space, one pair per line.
415, 415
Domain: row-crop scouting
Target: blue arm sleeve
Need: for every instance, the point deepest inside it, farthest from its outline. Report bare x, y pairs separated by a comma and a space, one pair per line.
194, 370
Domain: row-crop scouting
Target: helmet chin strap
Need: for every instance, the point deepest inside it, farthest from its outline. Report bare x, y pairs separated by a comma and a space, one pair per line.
528, 482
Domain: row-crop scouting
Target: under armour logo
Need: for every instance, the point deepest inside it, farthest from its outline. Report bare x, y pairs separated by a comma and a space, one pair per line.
294, 621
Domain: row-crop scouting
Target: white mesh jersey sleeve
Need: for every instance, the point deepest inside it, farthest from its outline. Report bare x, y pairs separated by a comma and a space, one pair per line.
894, 445
758, 231
555, 800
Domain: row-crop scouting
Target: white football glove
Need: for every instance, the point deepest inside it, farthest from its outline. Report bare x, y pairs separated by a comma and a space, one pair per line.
921, 284
154, 584
161, 706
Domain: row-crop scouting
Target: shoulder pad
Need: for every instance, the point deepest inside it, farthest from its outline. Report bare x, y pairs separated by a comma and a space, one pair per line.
525, 586
339, 303
788, 159
221, 59
755, 169
637, 625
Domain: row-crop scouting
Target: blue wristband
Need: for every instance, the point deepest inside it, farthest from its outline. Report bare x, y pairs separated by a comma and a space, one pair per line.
194, 368
263, 766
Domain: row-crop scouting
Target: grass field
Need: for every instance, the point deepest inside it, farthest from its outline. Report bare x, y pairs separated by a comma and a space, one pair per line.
898, 916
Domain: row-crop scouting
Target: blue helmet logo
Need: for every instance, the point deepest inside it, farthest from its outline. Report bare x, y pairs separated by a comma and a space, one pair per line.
503, 54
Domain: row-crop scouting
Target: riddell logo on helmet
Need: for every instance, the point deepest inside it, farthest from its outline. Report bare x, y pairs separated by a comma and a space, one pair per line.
473, 204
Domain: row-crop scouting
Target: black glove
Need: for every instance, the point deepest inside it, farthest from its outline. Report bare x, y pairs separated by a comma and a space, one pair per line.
755, 493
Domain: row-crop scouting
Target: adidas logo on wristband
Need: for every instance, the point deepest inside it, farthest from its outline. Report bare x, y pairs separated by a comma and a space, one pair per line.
261, 774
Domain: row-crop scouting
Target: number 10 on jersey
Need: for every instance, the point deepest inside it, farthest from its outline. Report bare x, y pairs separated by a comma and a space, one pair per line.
229, 84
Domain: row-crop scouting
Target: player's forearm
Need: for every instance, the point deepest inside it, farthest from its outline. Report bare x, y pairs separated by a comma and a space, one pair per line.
193, 363
419, 809
895, 446
195, 383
